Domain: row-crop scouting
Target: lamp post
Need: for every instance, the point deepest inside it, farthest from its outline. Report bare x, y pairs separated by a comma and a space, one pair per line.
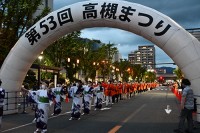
77, 62
40, 57
117, 74
67, 67
96, 64
68, 59
104, 68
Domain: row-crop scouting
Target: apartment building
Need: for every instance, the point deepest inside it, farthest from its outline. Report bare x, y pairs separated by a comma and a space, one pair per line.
45, 3
145, 55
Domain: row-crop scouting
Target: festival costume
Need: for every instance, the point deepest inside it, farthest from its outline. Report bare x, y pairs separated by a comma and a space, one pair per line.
88, 95
99, 92
57, 92
32, 97
42, 110
124, 90
108, 94
2, 96
120, 89
42, 97
76, 93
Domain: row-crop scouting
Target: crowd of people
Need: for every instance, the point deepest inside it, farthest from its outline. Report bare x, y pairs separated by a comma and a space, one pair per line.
82, 96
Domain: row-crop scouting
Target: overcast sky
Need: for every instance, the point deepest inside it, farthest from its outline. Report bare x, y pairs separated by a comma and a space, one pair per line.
185, 12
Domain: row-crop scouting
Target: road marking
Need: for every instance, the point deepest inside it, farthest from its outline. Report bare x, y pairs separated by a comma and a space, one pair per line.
117, 127
33, 123
105, 108
49, 118
17, 127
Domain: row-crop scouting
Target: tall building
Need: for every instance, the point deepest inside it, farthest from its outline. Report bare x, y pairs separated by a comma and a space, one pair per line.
117, 57
45, 3
145, 55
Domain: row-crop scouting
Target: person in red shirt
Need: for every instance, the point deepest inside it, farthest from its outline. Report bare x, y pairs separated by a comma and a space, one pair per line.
108, 93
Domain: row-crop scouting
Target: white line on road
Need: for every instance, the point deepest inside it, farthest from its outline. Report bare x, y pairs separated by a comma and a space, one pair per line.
33, 123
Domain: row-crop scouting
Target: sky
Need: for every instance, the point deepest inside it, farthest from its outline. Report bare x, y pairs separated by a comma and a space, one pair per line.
185, 12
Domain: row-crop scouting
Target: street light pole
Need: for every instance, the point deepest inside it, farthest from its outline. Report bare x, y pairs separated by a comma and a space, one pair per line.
40, 57
77, 61
67, 67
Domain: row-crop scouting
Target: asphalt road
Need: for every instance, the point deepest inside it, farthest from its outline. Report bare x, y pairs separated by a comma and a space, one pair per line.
144, 113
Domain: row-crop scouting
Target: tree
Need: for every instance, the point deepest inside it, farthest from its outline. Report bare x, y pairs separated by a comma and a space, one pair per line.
15, 19
30, 78
138, 72
57, 54
68, 49
61, 49
107, 51
124, 69
150, 76
179, 74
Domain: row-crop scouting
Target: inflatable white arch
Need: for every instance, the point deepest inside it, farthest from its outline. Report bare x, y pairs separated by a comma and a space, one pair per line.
182, 47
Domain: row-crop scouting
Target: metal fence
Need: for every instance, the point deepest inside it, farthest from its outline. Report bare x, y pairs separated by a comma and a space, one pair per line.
16, 100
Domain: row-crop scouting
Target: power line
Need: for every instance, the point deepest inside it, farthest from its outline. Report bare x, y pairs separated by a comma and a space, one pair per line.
159, 63
165, 63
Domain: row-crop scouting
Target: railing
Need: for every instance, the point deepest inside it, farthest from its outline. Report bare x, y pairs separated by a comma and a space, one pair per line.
16, 100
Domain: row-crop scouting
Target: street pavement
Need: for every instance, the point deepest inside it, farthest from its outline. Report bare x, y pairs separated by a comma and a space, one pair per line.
143, 113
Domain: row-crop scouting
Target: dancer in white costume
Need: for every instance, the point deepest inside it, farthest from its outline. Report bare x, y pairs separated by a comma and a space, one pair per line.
77, 95
56, 93
88, 95
2, 96
99, 92
42, 110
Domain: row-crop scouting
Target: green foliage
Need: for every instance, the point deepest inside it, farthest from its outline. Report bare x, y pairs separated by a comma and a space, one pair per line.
124, 69
15, 19
47, 75
30, 78
138, 72
75, 48
178, 73
150, 76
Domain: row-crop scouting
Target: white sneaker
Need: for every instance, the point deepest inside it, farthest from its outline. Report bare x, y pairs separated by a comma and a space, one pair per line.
37, 131
34, 120
44, 131
70, 118
82, 113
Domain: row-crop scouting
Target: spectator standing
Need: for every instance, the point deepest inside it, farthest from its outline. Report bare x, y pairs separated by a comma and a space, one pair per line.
187, 106
2, 96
